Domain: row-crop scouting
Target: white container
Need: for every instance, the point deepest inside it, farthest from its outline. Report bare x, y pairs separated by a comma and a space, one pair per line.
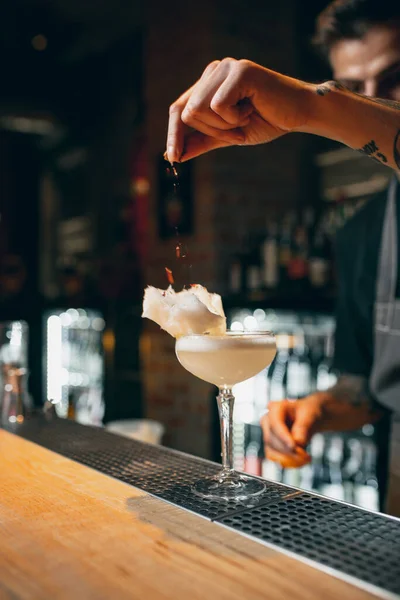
143, 430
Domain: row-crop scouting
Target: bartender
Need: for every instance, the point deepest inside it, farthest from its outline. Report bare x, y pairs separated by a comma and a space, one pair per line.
361, 41
241, 103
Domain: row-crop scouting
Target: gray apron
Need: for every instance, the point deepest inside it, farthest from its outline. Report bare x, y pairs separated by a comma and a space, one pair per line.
385, 374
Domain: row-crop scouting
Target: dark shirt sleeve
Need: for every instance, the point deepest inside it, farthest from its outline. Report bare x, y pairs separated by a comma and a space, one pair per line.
353, 337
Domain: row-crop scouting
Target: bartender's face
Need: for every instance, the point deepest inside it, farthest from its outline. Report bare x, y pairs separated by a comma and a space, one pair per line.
370, 65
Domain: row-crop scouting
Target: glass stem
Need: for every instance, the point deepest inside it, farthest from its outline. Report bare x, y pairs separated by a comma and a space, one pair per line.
225, 400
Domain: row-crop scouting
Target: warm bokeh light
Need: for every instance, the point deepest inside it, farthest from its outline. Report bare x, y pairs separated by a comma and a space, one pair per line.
39, 42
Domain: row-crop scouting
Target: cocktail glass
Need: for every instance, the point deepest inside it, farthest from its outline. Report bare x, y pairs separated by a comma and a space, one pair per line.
226, 360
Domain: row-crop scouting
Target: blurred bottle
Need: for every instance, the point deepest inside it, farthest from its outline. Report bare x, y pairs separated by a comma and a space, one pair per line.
297, 269
326, 375
277, 371
14, 400
320, 261
254, 451
298, 379
71, 411
236, 279
316, 345
317, 447
269, 254
351, 468
365, 480
332, 484
285, 247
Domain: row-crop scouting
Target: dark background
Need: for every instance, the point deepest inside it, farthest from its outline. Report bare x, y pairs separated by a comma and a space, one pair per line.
84, 95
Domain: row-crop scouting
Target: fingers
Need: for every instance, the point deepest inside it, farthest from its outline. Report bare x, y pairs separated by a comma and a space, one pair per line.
307, 415
227, 100
197, 143
280, 445
279, 414
203, 108
177, 128
213, 126
209, 100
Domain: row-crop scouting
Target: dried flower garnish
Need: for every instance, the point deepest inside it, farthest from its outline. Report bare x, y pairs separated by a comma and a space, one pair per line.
170, 277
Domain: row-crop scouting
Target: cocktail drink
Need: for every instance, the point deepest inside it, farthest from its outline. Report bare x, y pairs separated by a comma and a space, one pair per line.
226, 360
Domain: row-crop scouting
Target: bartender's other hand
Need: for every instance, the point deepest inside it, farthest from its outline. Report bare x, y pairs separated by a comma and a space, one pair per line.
288, 427
235, 102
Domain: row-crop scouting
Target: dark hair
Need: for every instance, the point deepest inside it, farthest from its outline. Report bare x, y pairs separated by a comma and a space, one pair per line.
351, 19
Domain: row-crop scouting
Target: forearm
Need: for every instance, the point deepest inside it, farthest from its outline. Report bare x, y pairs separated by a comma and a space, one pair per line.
371, 126
348, 405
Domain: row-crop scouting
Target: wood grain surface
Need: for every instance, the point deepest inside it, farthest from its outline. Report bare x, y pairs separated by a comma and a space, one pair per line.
67, 531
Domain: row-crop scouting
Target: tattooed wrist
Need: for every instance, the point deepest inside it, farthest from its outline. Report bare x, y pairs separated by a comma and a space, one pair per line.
353, 390
324, 88
371, 149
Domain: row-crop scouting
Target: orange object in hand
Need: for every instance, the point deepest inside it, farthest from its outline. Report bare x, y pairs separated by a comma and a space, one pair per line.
298, 458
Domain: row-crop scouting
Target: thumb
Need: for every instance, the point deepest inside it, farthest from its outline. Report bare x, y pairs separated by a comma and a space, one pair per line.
305, 417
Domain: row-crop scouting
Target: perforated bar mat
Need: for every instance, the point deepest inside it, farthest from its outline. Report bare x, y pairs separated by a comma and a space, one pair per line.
362, 545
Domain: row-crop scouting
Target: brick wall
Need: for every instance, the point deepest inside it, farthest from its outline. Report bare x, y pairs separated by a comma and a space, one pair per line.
233, 188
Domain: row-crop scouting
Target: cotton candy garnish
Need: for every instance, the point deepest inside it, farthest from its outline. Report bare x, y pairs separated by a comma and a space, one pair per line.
191, 311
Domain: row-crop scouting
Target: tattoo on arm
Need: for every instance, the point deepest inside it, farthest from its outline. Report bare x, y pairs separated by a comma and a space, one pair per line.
352, 389
372, 150
389, 103
329, 86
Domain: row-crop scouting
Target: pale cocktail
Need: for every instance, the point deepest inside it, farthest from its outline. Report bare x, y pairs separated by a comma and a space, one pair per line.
226, 360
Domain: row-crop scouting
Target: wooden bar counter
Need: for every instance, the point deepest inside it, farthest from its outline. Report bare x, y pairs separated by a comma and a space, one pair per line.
68, 531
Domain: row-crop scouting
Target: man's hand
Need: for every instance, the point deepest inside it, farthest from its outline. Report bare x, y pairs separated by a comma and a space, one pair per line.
289, 424
288, 427
235, 102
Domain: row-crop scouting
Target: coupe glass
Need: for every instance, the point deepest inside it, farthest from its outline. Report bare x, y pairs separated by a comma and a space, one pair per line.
226, 360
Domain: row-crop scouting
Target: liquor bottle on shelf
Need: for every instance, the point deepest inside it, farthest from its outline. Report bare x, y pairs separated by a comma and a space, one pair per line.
317, 447
326, 376
253, 455
285, 247
365, 481
332, 484
277, 370
297, 269
269, 254
298, 379
320, 261
351, 468
254, 271
271, 470
316, 345
236, 275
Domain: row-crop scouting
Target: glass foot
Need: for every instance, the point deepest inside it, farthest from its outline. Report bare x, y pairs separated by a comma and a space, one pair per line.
228, 487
